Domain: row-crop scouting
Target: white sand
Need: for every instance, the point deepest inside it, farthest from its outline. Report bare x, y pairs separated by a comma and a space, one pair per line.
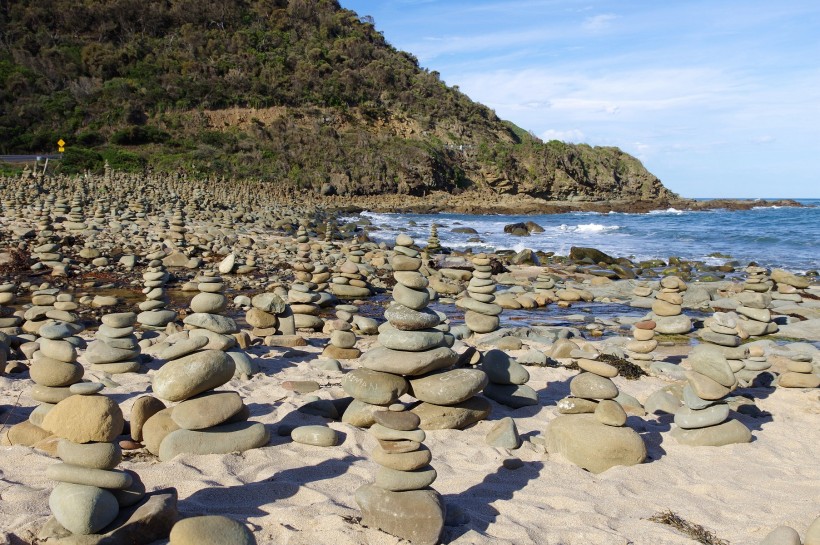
295, 494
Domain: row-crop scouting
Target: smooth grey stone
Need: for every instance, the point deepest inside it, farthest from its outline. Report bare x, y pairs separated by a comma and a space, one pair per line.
374, 387
408, 363
414, 515
82, 509
397, 481
193, 374
691, 399
245, 366
212, 322
511, 395
269, 302
236, 437
727, 433
183, 348
405, 318
501, 369
77, 474
412, 341
504, 434
206, 410
211, 529
320, 436
120, 319
413, 299
592, 386
448, 387
90, 455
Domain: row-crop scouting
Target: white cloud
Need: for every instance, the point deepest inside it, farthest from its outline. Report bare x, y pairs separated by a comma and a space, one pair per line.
597, 23
572, 135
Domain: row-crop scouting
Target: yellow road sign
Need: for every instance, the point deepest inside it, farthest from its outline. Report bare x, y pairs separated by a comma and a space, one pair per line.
61, 149
60, 143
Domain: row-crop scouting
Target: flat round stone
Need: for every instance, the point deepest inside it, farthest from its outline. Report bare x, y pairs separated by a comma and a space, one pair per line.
592, 386
402, 421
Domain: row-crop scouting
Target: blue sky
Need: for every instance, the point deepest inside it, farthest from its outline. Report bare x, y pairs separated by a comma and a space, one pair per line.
718, 98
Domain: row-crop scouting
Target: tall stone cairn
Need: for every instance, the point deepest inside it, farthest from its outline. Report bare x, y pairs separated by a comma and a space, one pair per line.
667, 310
591, 431
703, 420
116, 348
153, 313
9, 322
90, 490
400, 501
433, 243
800, 373
790, 287
481, 313
755, 318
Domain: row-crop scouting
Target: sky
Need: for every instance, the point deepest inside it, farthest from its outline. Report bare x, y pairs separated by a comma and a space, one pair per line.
718, 98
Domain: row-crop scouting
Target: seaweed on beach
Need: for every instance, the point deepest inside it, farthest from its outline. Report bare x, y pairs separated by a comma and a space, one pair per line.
626, 368
690, 529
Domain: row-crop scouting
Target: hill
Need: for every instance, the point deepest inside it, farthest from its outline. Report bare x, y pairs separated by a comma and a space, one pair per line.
302, 93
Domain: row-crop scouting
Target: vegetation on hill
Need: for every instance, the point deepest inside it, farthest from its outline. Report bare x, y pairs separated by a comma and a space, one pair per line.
299, 92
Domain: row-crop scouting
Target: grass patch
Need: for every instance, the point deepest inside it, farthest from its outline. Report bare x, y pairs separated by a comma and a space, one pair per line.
689, 529
676, 338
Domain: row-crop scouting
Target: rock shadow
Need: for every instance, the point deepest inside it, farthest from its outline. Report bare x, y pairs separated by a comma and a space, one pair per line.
247, 500
472, 509
651, 431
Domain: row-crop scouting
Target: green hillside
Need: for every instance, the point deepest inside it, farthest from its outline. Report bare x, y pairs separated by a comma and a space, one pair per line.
300, 92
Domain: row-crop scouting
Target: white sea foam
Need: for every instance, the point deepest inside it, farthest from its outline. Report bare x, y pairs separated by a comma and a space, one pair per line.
671, 210
588, 228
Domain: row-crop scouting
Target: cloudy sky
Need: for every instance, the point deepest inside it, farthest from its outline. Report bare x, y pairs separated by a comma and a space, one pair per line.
718, 98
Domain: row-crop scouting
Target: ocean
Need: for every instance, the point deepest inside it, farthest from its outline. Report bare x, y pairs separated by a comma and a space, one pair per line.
784, 237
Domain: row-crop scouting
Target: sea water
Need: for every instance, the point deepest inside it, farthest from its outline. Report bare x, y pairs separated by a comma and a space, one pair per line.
772, 236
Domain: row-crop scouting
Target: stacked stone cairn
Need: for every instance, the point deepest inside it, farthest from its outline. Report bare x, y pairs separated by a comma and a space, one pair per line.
703, 420
153, 314
269, 315
342, 343
591, 431
544, 283
481, 313
433, 243
9, 322
799, 373
400, 501
177, 228
51, 305
116, 348
207, 317
54, 371
507, 380
722, 332
302, 295
667, 311
91, 491
349, 283
644, 342
790, 287
754, 316
414, 355
205, 421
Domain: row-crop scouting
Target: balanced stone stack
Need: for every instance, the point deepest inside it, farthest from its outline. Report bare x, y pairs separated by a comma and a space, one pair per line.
757, 280
349, 283
721, 329
302, 295
667, 308
544, 283
644, 342
116, 348
754, 316
342, 343
91, 491
49, 304
153, 314
177, 228
207, 319
205, 421
591, 431
507, 380
9, 322
481, 313
54, 369
269, 315
401, 501
799, 373
433, 243
790, 287
75, 222
703, 420
414, 354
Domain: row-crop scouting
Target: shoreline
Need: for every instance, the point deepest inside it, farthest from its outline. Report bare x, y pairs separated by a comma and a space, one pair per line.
502, 204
